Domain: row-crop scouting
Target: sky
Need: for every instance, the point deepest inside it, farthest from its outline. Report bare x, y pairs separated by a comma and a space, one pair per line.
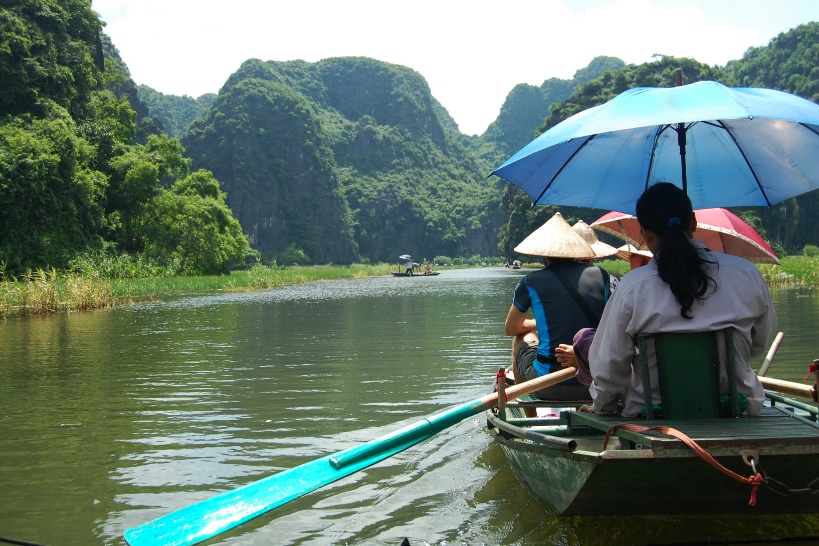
471, 52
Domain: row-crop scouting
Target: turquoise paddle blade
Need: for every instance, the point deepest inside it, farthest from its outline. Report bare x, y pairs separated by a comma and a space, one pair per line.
208, 518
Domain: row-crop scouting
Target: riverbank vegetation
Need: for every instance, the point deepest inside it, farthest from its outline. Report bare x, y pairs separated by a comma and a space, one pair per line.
47, 292
124, 282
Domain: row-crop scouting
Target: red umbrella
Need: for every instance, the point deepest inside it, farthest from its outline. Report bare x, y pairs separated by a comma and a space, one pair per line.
720, 229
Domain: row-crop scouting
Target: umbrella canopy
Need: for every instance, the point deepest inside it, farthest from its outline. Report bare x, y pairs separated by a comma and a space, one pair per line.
720, 229
723, 146
404, 257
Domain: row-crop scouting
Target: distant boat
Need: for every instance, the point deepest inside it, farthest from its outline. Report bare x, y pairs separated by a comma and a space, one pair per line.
400, 274
516, 264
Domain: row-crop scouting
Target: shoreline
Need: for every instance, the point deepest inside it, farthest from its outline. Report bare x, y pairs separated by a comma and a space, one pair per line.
47, 293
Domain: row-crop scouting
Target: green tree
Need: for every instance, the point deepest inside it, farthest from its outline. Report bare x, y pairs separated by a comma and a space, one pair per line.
52, 201
193, 229
135, 180
49, 50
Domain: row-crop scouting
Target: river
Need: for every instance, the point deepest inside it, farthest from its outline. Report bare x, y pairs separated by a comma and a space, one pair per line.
114, 417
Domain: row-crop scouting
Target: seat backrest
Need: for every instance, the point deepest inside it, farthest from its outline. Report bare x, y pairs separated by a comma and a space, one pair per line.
689, 369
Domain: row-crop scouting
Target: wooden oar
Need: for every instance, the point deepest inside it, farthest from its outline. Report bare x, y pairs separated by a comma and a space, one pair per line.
208, 518
787, 387
771, 352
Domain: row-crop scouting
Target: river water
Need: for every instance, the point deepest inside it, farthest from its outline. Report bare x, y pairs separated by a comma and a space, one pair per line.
115, 417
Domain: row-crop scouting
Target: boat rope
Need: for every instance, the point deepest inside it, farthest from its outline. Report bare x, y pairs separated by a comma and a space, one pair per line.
754, 481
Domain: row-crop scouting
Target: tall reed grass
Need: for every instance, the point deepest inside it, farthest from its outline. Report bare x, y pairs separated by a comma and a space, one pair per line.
47, 292
794, 271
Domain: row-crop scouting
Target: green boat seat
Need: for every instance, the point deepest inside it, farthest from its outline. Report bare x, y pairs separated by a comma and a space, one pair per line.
689, 370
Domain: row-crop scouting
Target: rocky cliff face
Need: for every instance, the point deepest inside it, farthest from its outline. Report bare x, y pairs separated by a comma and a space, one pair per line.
345, 158
263, 142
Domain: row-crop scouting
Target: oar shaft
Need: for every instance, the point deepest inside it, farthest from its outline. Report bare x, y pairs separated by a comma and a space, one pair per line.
427, 427
528, 387
787, 387
771, 352
210, 517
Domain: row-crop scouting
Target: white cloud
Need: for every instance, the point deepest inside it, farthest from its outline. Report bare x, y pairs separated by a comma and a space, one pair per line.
472, 53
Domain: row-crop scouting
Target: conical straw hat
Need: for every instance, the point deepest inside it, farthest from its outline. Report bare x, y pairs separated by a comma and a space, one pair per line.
601, 249
624, 252
555, 239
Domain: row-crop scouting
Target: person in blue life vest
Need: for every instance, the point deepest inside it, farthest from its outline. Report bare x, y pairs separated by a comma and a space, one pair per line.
576, 355
566, 295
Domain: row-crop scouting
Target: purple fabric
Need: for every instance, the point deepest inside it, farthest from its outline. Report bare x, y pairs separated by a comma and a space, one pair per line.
582, 341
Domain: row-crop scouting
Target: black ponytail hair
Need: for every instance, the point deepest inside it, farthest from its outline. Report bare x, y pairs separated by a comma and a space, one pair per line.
665, 210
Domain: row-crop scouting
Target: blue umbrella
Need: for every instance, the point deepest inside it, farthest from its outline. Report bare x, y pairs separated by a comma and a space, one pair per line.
724, 146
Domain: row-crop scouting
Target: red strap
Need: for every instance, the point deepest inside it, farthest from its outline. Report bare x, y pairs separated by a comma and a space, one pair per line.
754, 480
811, 370
498, 376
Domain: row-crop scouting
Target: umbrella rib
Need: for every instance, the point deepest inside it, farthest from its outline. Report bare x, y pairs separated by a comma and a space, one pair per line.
653, 150
748, 163
809, 128
565, 163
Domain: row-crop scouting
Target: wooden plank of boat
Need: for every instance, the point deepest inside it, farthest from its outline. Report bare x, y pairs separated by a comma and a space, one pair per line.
648, 473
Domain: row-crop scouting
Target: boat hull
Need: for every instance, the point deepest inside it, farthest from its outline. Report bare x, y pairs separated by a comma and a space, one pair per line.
655, 474
586, 483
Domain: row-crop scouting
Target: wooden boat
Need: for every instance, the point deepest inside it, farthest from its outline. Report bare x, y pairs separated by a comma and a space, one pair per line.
562, 456
562, 460
400, 274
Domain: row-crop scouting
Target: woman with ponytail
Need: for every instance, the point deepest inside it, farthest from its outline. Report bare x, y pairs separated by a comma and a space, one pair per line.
684, 288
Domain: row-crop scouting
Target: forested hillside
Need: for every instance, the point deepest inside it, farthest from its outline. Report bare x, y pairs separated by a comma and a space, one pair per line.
176, 113
345, 158
79, 176
409, 181
527, 106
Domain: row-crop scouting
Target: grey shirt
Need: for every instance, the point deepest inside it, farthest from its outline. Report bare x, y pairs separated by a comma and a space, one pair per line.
644, 303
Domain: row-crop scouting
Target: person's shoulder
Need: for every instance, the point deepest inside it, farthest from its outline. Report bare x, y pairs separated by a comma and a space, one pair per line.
731, 261
737, 271
541, 271
583, 266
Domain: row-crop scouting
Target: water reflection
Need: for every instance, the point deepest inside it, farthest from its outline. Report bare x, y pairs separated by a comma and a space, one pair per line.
119, 416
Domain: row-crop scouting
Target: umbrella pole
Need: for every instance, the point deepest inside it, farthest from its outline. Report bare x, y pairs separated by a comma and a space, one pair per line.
681, 137
681, 141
